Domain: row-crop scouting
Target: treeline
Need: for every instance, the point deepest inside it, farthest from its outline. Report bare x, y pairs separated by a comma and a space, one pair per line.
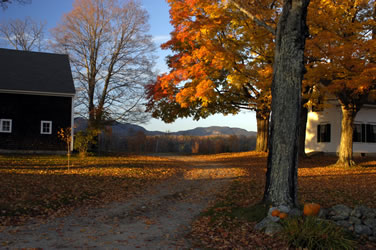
141, 143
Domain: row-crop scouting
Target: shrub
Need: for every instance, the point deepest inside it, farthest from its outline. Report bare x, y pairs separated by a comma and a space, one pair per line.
83, 139
313, 233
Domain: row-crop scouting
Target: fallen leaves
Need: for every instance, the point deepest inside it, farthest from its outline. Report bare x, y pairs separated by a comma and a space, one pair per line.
319, 181
42, 185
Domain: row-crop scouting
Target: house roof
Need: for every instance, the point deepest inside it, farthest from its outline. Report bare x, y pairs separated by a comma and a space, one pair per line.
35, 73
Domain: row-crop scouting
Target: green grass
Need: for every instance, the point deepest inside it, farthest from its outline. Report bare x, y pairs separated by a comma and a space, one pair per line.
313, 233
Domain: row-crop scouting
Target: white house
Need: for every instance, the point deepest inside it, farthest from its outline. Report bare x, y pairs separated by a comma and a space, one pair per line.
323, 131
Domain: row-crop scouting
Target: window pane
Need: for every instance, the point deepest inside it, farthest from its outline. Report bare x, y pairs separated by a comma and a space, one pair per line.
357, 133
323, 133
371, 133
6, 125
46, 127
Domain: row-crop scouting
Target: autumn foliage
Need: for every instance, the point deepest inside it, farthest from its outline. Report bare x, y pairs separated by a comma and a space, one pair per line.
220, 63
223, 60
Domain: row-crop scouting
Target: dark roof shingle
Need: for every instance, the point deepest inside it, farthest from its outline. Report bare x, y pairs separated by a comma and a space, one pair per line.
35, 72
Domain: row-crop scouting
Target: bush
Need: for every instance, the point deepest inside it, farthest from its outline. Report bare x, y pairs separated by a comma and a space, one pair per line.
313, 233
83, 139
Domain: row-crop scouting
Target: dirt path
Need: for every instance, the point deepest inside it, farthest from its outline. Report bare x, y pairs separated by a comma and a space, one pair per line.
158, 219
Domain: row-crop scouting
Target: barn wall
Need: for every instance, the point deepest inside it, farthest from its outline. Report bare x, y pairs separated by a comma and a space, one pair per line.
27, 112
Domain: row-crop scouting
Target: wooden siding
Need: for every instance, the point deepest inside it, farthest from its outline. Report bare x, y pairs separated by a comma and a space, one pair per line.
27, 112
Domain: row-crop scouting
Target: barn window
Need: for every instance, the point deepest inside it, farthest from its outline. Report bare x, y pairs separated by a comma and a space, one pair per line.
323, 133
5, 125
46, 127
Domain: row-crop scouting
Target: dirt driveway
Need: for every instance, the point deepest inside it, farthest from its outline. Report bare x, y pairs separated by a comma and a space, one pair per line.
158, 219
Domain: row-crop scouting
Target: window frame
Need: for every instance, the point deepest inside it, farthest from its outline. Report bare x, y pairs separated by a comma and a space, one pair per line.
327, 137
369, 138
2, 126
42, 132
362, 132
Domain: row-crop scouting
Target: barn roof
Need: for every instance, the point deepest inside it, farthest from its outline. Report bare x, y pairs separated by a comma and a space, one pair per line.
35, 73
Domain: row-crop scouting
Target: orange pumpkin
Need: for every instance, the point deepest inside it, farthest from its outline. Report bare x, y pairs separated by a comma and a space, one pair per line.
283, 215
311, 209
275, 212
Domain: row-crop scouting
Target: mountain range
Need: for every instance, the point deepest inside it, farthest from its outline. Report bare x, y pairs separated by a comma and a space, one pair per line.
127, 129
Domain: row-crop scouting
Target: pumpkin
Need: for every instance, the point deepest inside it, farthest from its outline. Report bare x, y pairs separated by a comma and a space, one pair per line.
275, 212
282, 215
311, 209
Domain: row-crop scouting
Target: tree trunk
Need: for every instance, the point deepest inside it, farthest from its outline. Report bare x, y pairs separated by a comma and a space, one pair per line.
262, 118
302, 130
345, 154
281, 176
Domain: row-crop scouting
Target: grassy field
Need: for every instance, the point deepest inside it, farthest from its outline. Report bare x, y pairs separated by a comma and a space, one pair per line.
229, 222
42, 186
319, 181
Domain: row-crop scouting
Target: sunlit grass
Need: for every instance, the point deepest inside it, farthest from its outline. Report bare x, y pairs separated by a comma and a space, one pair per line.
43, 185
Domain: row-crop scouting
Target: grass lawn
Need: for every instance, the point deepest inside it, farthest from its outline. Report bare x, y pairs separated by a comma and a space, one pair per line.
230, 220
42, 186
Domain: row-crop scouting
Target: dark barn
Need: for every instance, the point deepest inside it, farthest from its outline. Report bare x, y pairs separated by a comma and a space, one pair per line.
36, 101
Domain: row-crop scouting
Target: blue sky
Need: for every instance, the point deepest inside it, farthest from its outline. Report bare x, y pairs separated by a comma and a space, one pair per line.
51, 11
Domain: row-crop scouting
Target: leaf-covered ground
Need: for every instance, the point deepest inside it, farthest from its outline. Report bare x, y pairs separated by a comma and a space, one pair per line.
158, 217
229, 222
42, 186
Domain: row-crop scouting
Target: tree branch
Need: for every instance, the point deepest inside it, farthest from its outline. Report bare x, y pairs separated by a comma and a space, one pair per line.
253, 18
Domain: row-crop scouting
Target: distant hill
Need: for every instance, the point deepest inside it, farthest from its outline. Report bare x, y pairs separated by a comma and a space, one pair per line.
215, 130
124, 129
127, 129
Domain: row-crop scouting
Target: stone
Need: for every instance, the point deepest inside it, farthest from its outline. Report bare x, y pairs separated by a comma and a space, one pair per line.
345, 224
295, 213
358, 211
264, 223
372, 238
274, 218
370, 222
362, 230
340, 212
273, 228
323, 214
355, 220
369, 214
284, 209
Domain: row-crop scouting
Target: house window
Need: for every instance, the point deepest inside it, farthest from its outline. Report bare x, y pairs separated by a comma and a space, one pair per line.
323, 133
46, 127
5, 125
359, 133
371, 133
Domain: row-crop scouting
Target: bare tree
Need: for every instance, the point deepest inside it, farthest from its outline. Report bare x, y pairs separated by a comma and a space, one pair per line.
23, 34
4, 3
111, 55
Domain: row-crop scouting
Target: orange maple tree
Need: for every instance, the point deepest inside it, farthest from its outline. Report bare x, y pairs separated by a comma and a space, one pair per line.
222, 63
342, 52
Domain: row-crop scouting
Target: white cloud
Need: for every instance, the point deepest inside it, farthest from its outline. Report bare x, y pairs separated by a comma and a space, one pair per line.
161, 38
